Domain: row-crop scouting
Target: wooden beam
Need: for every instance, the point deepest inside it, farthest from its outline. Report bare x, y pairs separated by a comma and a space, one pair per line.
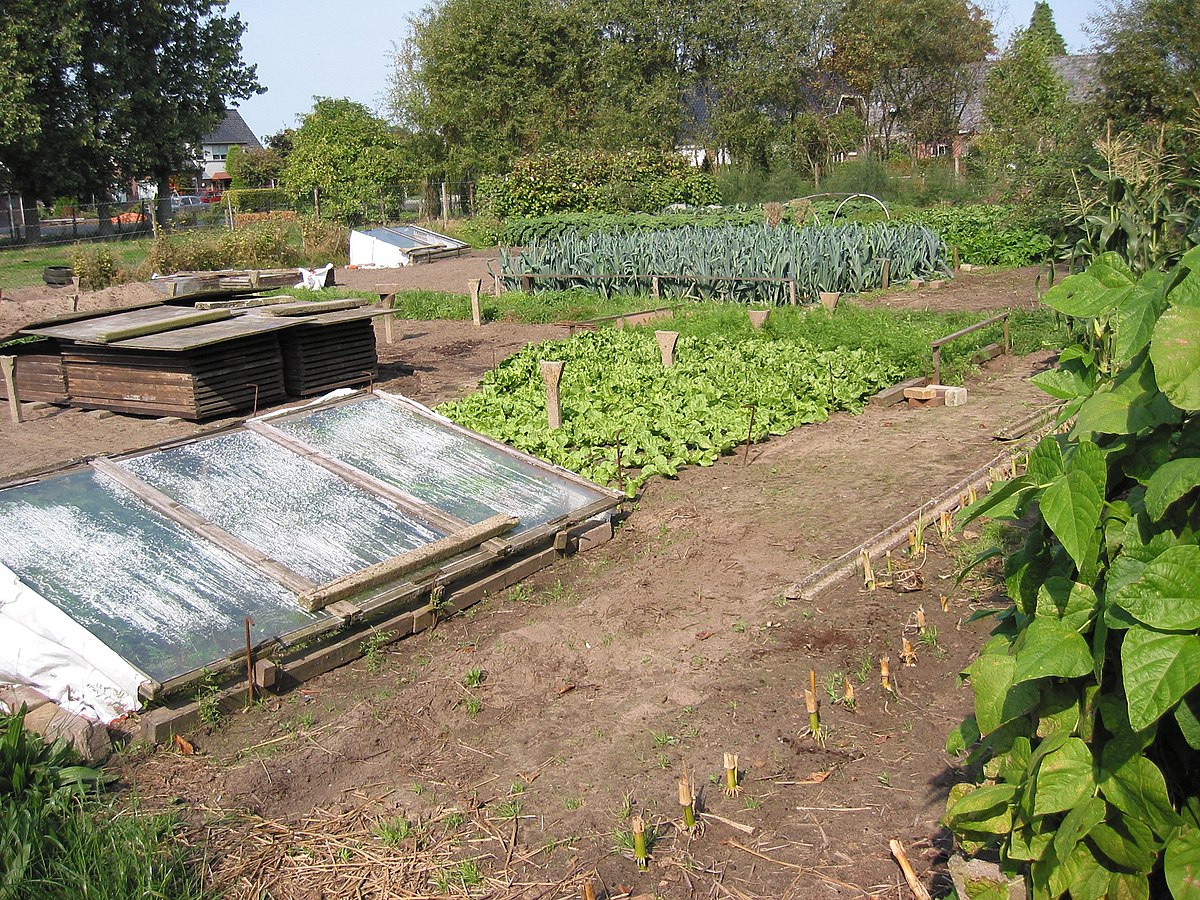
428, 513
208, 530
8, 366
411, 561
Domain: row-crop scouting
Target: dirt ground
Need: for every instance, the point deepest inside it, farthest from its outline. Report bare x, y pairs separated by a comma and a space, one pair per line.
517, 739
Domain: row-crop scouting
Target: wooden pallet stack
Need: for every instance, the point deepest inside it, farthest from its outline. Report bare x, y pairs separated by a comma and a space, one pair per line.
333, 350
38, 372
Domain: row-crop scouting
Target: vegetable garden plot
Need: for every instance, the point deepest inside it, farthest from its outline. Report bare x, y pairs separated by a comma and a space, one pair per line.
143, 570
616, 393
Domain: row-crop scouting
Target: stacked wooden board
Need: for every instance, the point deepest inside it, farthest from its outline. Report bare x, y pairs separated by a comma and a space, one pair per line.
200, 364
333, 350
38, 372
225, 283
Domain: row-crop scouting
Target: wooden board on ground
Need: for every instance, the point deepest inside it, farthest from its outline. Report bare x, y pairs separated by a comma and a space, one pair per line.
224, 283
305, 308
244, 302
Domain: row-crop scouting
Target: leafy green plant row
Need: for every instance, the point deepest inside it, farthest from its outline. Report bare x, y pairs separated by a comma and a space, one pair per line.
1087, 695
989, 235
719, 263
616, 391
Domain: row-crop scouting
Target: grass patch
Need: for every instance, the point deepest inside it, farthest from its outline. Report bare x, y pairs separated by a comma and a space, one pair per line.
62, 839
22, 266
514, 306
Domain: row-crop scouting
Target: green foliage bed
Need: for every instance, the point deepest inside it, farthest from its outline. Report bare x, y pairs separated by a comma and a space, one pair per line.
615, 388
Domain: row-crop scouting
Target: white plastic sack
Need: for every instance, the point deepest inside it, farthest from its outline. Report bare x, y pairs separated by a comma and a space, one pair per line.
314, 279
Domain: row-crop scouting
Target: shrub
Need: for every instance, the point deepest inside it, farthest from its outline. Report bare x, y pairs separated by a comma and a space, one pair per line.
323, 241
94, 266
258, 199
1087, 696
262, 246
242, 220
572, 181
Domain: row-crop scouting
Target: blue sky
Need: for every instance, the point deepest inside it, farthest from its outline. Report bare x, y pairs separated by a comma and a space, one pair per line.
311, 48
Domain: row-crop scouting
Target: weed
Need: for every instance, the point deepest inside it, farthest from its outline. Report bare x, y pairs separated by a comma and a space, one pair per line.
462, 875
507, 810
692, 731
739, 627
752, 803
573, 803
473, 706
418, 788
208, 699
866, 664
662, 739
625, 810
834, 684
305, 721
664, 761
370, 649
697, 661
474, 677
884, 778
520, 594
393, 831
929, 637
557, 593
454, 819
517, 787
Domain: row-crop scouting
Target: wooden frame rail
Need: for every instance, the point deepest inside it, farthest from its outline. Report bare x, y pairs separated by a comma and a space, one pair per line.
936, 346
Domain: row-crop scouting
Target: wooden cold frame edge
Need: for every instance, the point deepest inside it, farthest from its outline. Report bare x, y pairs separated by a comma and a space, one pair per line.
385, 601
158, 724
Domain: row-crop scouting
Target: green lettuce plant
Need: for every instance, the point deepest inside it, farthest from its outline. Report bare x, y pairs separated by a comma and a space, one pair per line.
1086, 724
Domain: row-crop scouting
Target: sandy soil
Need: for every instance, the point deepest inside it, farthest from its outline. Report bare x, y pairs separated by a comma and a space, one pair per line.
611, 673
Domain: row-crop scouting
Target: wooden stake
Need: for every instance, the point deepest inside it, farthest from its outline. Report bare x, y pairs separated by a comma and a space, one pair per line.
589, 892
476, 284
666, 346
910, 876
749, 436
552, 376
955, 250
8, 365
249, 665
792, 292
886, 279
655, 288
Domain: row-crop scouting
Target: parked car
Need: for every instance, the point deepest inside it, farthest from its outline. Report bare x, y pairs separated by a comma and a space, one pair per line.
210, 197
185, 202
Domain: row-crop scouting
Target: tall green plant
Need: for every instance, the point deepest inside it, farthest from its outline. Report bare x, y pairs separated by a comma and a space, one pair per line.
1087, 695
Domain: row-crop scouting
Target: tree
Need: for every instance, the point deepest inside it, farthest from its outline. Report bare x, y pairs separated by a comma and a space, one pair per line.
911, 61
252, 167
350, 156
41, 118
1041, 25
1150, 63
97, 88
1031, 135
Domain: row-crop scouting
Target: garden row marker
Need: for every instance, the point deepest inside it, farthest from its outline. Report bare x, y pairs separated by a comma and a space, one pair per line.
666, 346
475, 285
552, 376
887, 274
758, 317
10, 386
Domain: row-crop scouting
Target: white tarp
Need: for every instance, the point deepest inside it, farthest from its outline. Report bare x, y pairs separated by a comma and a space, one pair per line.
44, 648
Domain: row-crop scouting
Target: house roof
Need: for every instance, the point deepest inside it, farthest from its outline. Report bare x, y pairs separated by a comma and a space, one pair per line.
232, 130
1080, 72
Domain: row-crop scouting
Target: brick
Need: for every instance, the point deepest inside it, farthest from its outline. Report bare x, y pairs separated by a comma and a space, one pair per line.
13, 695
593, 538
916, 403
925, 392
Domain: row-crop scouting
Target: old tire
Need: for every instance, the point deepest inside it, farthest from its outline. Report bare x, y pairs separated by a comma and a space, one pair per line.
57, 275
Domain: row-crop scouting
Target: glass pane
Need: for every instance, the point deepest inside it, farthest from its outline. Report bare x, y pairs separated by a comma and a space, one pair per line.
292, 510
164, 599
462, 476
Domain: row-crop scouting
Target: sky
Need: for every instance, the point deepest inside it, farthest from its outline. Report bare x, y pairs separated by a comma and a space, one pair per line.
313, 48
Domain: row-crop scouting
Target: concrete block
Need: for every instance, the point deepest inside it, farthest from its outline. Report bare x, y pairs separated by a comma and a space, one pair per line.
13, 695
936, 283
594, 537
266, 673
90, 739
921, 392
915, 283
956, 396
101, 413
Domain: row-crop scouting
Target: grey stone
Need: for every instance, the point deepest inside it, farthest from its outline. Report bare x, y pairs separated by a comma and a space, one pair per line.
90, 739
169, 420
101, 413
965, 872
